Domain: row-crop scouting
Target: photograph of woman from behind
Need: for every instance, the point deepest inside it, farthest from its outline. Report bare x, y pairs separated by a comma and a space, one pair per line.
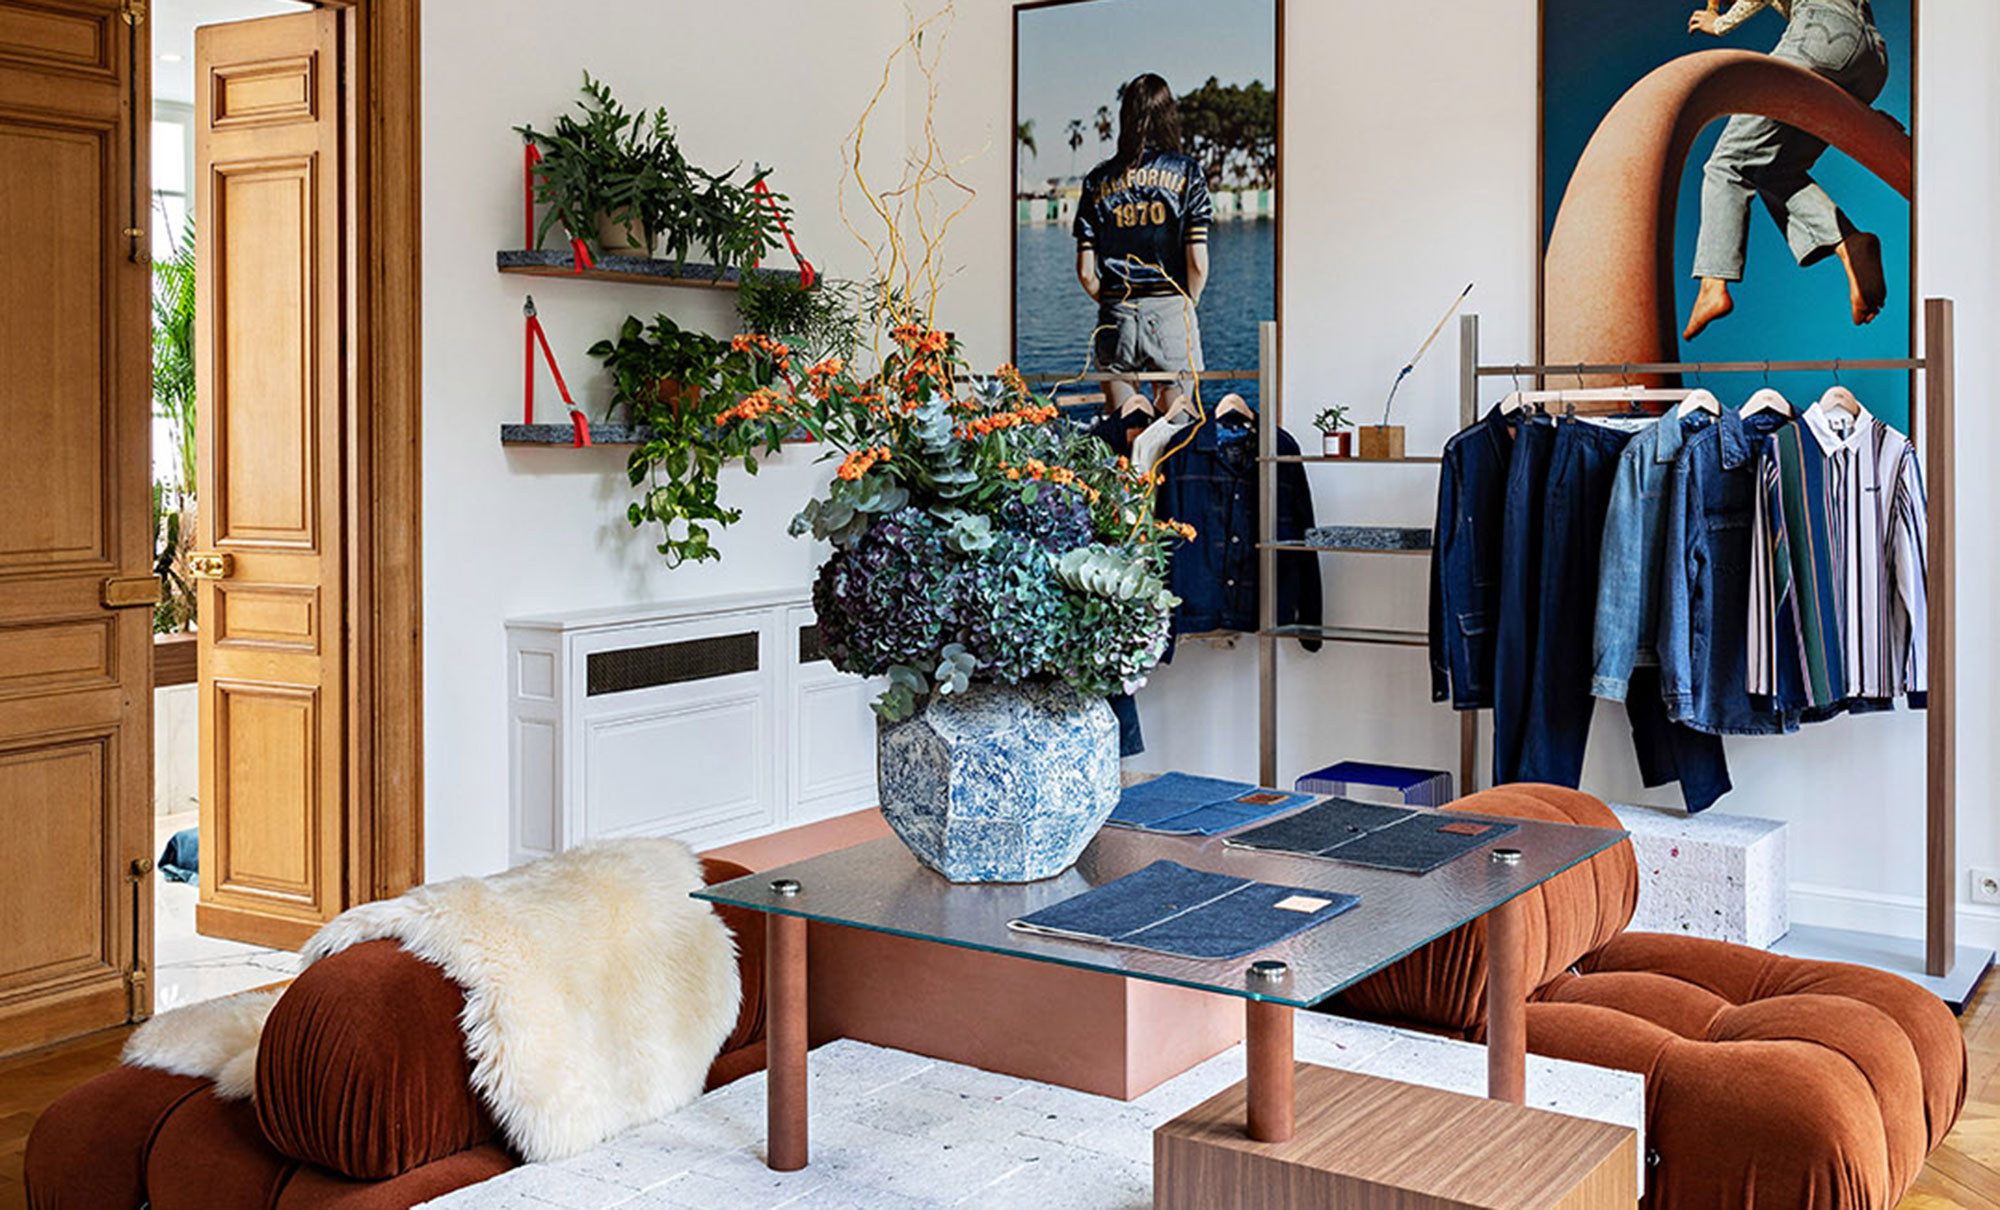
1145, 219
1142, 249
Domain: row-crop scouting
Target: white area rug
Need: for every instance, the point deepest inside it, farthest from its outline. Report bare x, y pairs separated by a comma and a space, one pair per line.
895, 1131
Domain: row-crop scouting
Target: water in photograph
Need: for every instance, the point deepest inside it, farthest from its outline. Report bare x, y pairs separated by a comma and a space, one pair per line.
1053, 317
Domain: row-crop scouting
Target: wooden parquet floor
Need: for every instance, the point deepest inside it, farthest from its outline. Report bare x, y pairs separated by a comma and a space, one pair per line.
1964, 1174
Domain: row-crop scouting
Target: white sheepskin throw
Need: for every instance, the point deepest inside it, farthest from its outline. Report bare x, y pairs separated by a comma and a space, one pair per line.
215, 1040
597, 992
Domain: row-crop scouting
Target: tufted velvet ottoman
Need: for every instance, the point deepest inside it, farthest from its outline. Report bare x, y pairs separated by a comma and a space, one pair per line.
363, 1100
1770, 1081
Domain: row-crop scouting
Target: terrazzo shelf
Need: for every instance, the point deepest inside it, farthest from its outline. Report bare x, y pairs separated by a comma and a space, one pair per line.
1369, 537
897, 1131
600, 434
643, 270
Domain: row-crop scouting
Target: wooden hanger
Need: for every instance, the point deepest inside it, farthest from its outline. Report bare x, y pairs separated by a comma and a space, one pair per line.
1233, 403
1701, 399
1767, 400
1627, 397
1839, 398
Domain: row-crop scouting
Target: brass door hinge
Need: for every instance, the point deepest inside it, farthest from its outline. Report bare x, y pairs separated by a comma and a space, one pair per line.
134, 12
131, 591
210, 565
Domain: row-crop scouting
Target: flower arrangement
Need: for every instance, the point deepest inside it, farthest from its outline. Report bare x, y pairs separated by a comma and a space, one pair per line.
975, 535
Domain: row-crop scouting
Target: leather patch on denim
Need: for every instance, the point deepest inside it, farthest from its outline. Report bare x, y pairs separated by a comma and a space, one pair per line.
1465, 827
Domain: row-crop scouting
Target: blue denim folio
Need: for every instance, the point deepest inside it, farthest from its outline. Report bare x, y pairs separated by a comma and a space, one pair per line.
1414, 842
1171, 909
1182, 804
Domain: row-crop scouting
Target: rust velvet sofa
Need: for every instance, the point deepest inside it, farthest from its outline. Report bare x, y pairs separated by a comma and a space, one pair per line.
1770, 1081
363, 1100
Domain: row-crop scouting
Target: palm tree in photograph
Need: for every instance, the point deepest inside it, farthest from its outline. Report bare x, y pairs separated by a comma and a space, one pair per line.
1107, 128
1075, 142
1024, 140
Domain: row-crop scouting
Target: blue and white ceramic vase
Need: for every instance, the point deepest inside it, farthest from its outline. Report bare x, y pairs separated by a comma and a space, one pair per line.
1000, 783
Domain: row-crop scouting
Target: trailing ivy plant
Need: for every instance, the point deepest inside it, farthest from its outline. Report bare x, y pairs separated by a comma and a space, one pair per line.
629, 167
678, 468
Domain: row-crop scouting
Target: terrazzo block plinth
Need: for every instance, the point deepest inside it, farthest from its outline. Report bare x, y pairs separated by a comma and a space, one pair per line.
1000, 783
1710, 875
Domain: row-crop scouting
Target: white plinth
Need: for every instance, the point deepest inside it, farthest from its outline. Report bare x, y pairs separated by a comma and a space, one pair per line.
1719, 876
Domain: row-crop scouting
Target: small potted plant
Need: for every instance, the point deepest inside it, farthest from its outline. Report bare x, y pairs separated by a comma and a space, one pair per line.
1335, 440
659, 363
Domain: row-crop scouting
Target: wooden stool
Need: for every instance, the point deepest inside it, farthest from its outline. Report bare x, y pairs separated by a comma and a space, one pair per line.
1363, 1142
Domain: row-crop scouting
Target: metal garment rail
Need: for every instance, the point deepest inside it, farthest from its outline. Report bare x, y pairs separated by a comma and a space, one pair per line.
1936, 429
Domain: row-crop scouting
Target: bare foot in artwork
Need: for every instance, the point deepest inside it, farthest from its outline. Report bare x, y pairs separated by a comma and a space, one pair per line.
1710, 305
1867, 289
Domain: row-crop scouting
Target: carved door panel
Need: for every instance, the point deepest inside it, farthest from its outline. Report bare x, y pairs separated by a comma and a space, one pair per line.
272, 374
75, 542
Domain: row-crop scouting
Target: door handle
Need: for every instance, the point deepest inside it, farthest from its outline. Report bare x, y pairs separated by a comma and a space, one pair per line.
211, 565
130, 592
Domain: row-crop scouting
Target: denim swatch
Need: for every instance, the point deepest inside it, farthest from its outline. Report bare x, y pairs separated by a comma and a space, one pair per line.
1420, 845
1333, 822
1387, 838
1182, 804
1171, 909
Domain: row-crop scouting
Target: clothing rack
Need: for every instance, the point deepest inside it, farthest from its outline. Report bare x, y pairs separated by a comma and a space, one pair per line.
1942, 960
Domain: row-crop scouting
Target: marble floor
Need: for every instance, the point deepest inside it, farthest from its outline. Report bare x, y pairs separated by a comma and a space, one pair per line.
895, 1131
189, 968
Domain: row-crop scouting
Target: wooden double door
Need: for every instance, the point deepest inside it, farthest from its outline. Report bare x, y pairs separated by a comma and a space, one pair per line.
273, 234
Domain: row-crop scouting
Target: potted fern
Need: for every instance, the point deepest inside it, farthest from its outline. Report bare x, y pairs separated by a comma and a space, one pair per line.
618, 181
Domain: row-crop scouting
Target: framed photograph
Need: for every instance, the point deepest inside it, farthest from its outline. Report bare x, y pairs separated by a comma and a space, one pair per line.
1731, 181
1145, 222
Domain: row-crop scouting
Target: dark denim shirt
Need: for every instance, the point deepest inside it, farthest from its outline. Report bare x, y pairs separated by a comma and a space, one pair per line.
1465, 566
1704, 634
1212, 485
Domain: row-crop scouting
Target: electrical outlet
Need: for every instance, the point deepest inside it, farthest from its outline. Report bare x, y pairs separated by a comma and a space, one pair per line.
1985, 886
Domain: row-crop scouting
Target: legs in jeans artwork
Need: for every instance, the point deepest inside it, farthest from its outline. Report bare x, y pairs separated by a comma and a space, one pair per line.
1559, 487
1757, 156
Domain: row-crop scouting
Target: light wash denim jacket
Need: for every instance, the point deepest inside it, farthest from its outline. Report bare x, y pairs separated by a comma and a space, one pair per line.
1628, 573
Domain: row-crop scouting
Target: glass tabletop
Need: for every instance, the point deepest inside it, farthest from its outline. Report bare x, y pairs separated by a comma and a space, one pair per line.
880, 886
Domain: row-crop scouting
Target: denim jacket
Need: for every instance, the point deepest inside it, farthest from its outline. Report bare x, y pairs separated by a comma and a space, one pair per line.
1212, 485
1465, 565
1704, 628
1628, 575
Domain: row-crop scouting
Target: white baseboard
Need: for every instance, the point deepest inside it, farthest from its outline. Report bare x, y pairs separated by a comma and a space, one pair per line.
1895, 915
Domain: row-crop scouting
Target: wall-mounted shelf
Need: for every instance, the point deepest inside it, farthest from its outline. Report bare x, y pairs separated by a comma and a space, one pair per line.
1432, 459
600, 434
563, 434
1370, 635
639, 270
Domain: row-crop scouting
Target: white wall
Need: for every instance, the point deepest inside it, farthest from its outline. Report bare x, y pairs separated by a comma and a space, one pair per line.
508, 532
1410, 170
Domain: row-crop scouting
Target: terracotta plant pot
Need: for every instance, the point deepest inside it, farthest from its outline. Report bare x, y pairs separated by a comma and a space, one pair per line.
1337, 445
618, 236
677, 394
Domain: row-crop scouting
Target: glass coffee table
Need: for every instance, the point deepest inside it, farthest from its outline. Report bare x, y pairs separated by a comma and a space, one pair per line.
880, 886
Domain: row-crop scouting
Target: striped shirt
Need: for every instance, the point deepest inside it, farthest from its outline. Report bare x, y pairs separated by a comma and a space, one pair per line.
1838, 595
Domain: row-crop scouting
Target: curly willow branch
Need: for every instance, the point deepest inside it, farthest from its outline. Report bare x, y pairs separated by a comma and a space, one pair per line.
910, 276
